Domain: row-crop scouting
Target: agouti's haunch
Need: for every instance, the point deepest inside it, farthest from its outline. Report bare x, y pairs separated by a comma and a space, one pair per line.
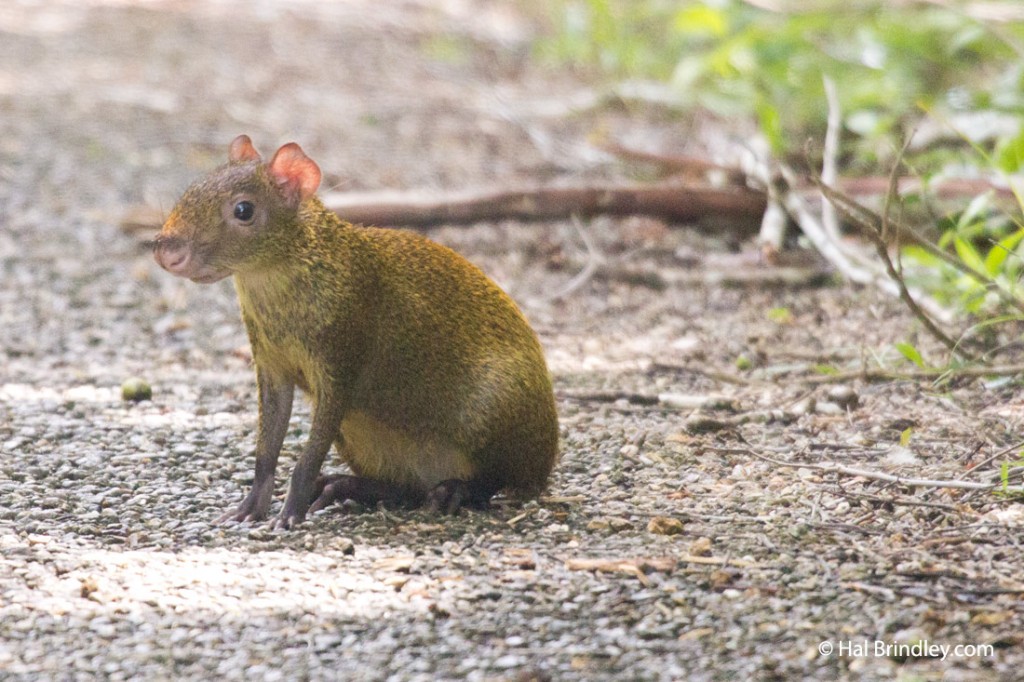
421, 371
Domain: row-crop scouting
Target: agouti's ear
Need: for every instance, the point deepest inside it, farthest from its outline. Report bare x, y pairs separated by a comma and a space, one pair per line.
295, 173
241, 149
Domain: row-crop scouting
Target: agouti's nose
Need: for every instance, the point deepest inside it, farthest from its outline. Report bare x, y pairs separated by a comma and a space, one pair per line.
172, 257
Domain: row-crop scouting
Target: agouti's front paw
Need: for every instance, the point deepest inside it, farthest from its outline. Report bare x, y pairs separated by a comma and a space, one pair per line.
254, 507
292, 515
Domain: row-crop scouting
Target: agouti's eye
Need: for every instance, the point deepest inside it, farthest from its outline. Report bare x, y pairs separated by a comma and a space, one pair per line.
245, 211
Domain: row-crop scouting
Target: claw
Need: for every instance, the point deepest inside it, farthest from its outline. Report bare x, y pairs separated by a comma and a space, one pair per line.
449, 496
287, 522
254, 507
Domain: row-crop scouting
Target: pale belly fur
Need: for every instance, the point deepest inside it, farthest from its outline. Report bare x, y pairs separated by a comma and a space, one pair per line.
381, 452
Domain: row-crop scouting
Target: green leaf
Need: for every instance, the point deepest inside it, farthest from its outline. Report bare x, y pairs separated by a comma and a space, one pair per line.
969, 254
921, 257
997, 254
975, 212
771, 125
911, 353
1009, 156
700, 20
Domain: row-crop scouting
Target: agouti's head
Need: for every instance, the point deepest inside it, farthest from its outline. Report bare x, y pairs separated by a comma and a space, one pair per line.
239, 215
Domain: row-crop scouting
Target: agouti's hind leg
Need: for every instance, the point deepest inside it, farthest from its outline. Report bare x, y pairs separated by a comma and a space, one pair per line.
367, 491
449, 496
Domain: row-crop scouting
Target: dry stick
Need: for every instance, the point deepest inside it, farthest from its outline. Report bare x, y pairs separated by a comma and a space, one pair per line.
831, 250
950, 188
997, 455
671, 200
830, 154
869, 217
883, 253
594, 260
916, 374
889, 478
610, 397
899, 501
724, 377
883, 592
867, 221
774, 221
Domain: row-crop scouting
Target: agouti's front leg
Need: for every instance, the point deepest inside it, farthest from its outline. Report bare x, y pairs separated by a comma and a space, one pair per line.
275, 396
323, 432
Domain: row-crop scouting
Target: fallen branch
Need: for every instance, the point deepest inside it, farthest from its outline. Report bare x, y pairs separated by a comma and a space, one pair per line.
830, 158
903, 502
949, 188
670, 200
883, 592
678, 401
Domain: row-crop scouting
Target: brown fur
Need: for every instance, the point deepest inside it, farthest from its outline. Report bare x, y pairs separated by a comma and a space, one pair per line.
436, 373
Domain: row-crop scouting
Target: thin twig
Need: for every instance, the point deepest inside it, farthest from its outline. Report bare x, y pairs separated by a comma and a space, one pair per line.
904, 293
902, 502
831, 250
843, 470
915, 374
724, 377
594, 261
883, 592
865, 216
830, 154
997, 455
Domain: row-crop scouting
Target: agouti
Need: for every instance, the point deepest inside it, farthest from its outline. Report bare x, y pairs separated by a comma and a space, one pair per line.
421, 371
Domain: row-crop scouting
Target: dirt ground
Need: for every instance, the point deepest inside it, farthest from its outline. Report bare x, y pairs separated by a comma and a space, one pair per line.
661, 550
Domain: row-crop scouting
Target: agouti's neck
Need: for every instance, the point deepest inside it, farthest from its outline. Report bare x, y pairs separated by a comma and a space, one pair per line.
296, 266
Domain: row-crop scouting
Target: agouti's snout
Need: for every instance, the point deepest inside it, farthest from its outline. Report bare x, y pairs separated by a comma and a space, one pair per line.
178, 257
172, 254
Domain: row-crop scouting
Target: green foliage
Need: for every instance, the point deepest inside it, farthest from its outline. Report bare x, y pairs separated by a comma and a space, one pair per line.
1004, 471
984, 240
894, 65
888, 60
911, 353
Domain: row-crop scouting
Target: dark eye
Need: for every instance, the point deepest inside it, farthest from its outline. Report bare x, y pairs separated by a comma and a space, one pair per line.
245, 211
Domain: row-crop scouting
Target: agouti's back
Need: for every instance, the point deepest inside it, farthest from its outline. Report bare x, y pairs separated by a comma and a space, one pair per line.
452, 359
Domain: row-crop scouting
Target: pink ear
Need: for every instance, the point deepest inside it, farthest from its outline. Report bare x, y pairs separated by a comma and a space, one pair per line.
295, 173
241, 149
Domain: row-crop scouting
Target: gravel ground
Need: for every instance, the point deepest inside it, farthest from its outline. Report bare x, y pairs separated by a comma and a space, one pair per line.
707, 560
